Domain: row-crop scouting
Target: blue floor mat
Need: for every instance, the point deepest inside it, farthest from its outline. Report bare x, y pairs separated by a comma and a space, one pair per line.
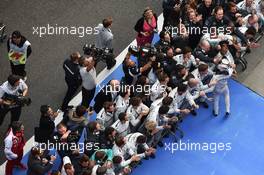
243, 130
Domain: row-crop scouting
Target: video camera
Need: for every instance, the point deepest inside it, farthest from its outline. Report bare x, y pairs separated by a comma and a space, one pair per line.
143, 52
105, 55
12, 101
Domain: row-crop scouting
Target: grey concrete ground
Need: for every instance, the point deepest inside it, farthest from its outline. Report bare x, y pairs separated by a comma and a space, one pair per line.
45, 73
253, 76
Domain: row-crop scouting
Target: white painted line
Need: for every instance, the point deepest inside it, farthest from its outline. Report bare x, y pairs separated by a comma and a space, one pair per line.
77, 99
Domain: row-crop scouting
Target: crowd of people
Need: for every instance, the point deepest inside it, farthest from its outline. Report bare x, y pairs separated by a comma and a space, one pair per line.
200, 46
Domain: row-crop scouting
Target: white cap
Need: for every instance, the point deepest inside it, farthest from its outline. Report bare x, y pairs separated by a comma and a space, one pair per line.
66, 160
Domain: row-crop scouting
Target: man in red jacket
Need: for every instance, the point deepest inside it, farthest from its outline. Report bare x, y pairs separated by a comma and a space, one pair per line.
14, 144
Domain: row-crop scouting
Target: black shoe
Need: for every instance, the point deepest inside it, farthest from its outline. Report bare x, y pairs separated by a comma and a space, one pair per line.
215, 114
193, 112
146, 158
152, 156
160, 144
227, 114
205, 105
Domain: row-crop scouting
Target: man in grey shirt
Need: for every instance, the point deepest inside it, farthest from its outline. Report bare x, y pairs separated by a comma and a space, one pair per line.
105, 36
88, 75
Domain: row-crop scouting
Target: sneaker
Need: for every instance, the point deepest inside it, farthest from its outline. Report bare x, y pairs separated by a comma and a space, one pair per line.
227, 114
152, 156
215, 114
193, 112
160, 144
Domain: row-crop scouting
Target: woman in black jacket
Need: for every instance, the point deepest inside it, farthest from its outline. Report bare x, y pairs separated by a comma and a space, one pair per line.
46, 124
146, 26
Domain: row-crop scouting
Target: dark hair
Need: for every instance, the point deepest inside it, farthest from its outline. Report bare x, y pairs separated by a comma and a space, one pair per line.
35, 151
119, 141
75, 56
84, 158
202, 67
142, 80
123, 92
117, 159
217, 8
231, 5
44, 109
92, 126
16, 126
16, 34
12, 79
107, 104
68, 166
162, 34
107, 22
251, 31
179, 67
162, 76
101, 170
141, 139
135, 101
224, 42
164, 109
167, 101
108, 131
182, 88
122, 116
80, 110
87, 172
99, 155
186, 50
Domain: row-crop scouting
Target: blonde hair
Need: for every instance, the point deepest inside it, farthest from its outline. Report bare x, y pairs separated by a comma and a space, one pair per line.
150, 125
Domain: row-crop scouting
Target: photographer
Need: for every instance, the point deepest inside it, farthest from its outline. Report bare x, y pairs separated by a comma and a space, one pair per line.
88, 75
13, 88
132, 71
168, 63
46, 127
164, 42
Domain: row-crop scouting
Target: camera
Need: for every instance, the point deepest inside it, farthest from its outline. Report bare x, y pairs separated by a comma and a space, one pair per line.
16, 101
106, 55
144, 51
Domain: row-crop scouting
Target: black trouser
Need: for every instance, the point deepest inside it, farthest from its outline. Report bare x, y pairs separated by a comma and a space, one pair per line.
15, 114
18, 69
87, 96
72, 89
